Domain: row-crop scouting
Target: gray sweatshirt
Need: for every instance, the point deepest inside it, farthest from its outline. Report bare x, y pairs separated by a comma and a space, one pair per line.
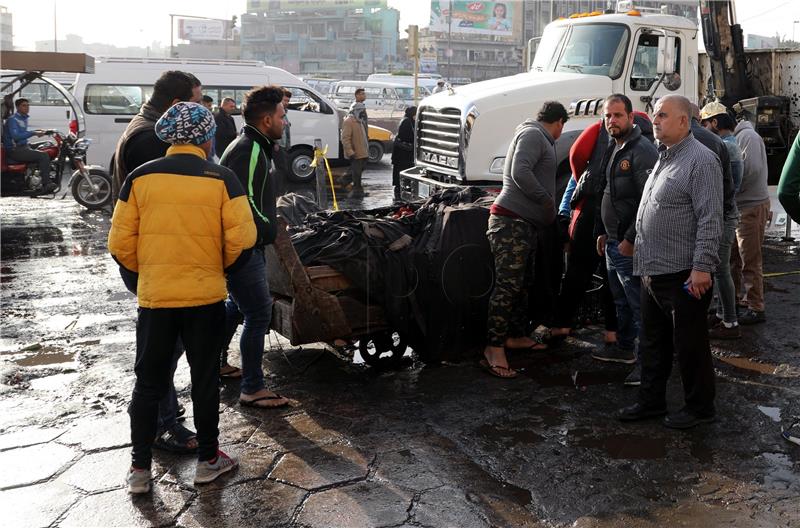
529, 175
753, 190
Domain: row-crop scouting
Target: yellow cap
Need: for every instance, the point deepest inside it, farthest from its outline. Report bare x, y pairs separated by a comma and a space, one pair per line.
711, 109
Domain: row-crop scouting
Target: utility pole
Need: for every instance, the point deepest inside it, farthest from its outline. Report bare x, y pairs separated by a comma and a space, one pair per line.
450, 39
55, 28
171, 36
413, 53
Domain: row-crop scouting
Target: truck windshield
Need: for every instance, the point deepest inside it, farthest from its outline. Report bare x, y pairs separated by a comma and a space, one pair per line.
593, 49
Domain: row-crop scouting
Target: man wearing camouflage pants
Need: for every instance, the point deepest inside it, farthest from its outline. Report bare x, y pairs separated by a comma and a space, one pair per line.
524, 206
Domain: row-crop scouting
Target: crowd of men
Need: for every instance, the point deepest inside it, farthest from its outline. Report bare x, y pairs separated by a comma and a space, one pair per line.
665, 218
676, 210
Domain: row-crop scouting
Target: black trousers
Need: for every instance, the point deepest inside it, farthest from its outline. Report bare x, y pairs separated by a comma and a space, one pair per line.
201, 328
675, 322
581, 266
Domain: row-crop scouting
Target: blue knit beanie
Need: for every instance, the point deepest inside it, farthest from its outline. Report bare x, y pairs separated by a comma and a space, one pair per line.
186, 122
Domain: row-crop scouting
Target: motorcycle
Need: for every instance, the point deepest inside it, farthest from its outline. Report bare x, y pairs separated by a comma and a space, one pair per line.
90, 184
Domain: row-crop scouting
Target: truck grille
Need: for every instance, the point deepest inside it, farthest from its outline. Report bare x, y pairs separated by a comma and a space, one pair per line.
439, 139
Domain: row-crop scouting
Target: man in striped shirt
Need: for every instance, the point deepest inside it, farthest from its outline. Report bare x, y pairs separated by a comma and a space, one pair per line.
678, 231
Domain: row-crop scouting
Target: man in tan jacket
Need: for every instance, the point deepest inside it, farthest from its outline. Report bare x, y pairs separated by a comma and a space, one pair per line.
356, 149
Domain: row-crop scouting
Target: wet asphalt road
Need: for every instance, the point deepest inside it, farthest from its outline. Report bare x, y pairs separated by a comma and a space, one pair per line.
441, 446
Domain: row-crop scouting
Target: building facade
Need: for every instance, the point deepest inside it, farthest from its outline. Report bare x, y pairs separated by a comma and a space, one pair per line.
6, 30
345, 39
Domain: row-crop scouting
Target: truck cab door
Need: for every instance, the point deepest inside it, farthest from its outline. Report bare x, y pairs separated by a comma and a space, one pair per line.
644, 84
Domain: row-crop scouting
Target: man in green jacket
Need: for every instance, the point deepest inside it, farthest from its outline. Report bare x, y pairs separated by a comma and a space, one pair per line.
789, 186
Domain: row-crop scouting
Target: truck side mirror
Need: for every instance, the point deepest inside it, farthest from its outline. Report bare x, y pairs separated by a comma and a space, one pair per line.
530, 51
666, 56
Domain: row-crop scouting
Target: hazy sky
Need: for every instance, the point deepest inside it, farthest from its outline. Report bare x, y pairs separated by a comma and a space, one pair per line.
141, 23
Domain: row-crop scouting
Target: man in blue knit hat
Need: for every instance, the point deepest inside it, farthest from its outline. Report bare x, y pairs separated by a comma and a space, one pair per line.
179, 225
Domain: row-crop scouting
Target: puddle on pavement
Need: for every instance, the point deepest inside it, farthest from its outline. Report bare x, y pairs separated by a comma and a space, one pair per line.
46, 356
749, 364
33, 241
53, 383
622, 446
774, 413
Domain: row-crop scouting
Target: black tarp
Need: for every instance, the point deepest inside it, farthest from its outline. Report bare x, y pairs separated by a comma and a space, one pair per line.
431, 270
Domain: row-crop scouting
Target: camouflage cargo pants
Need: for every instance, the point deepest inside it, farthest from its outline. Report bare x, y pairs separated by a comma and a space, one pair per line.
513, 243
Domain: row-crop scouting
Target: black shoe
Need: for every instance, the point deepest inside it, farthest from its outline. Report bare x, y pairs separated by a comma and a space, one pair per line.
750, 317
684, 419
615, 354
637, 411
634, 379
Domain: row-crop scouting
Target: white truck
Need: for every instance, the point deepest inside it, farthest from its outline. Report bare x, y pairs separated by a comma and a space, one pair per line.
463, 134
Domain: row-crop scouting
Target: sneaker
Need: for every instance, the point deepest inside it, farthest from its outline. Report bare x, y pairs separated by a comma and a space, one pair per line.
750, 317
208, 471
138, 481
634, 379
615, 354
792, 434
721, 331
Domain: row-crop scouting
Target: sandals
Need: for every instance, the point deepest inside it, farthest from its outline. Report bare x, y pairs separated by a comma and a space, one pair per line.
230, 372
176, 440
497, 370
255, 403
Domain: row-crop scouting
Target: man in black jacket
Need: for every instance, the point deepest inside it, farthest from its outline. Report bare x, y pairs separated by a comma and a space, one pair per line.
226, 126
250, 157
629, 159
138, 145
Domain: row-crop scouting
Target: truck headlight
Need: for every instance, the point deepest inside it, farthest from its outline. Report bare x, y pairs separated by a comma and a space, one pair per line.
497, 165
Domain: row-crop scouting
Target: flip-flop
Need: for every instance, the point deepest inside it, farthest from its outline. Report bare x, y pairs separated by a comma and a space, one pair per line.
254, 403
236, 373
495, 370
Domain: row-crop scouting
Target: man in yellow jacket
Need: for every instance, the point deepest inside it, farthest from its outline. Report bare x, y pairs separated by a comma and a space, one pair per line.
356, 149
180, 223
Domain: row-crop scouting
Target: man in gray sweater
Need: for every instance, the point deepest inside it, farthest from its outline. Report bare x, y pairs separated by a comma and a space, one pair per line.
525, 206
753, 202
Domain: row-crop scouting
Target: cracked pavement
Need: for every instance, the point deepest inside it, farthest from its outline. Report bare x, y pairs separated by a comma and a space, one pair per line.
424, 446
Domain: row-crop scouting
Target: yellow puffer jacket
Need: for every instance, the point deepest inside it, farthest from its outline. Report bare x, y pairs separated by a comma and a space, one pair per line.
180, 223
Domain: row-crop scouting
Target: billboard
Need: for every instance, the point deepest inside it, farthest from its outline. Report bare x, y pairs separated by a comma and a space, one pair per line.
483, 18
201, 29
303, 5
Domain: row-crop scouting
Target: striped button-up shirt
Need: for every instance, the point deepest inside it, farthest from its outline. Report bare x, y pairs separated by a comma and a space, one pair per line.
679, 222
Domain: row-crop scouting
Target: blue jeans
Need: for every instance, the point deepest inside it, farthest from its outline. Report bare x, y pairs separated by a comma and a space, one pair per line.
249, 295
627, 290
726, 307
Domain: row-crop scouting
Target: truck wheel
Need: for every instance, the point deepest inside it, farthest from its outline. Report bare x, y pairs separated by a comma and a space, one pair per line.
300, 169
383, 350
375, 151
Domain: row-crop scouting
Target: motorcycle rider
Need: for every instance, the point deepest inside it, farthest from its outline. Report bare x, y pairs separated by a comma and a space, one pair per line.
15, 140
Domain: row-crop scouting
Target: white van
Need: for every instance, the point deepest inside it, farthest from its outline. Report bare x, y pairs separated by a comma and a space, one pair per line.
380, 95
112, 95
428, 80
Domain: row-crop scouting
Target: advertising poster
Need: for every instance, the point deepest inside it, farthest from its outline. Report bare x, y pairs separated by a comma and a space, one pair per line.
484, 18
